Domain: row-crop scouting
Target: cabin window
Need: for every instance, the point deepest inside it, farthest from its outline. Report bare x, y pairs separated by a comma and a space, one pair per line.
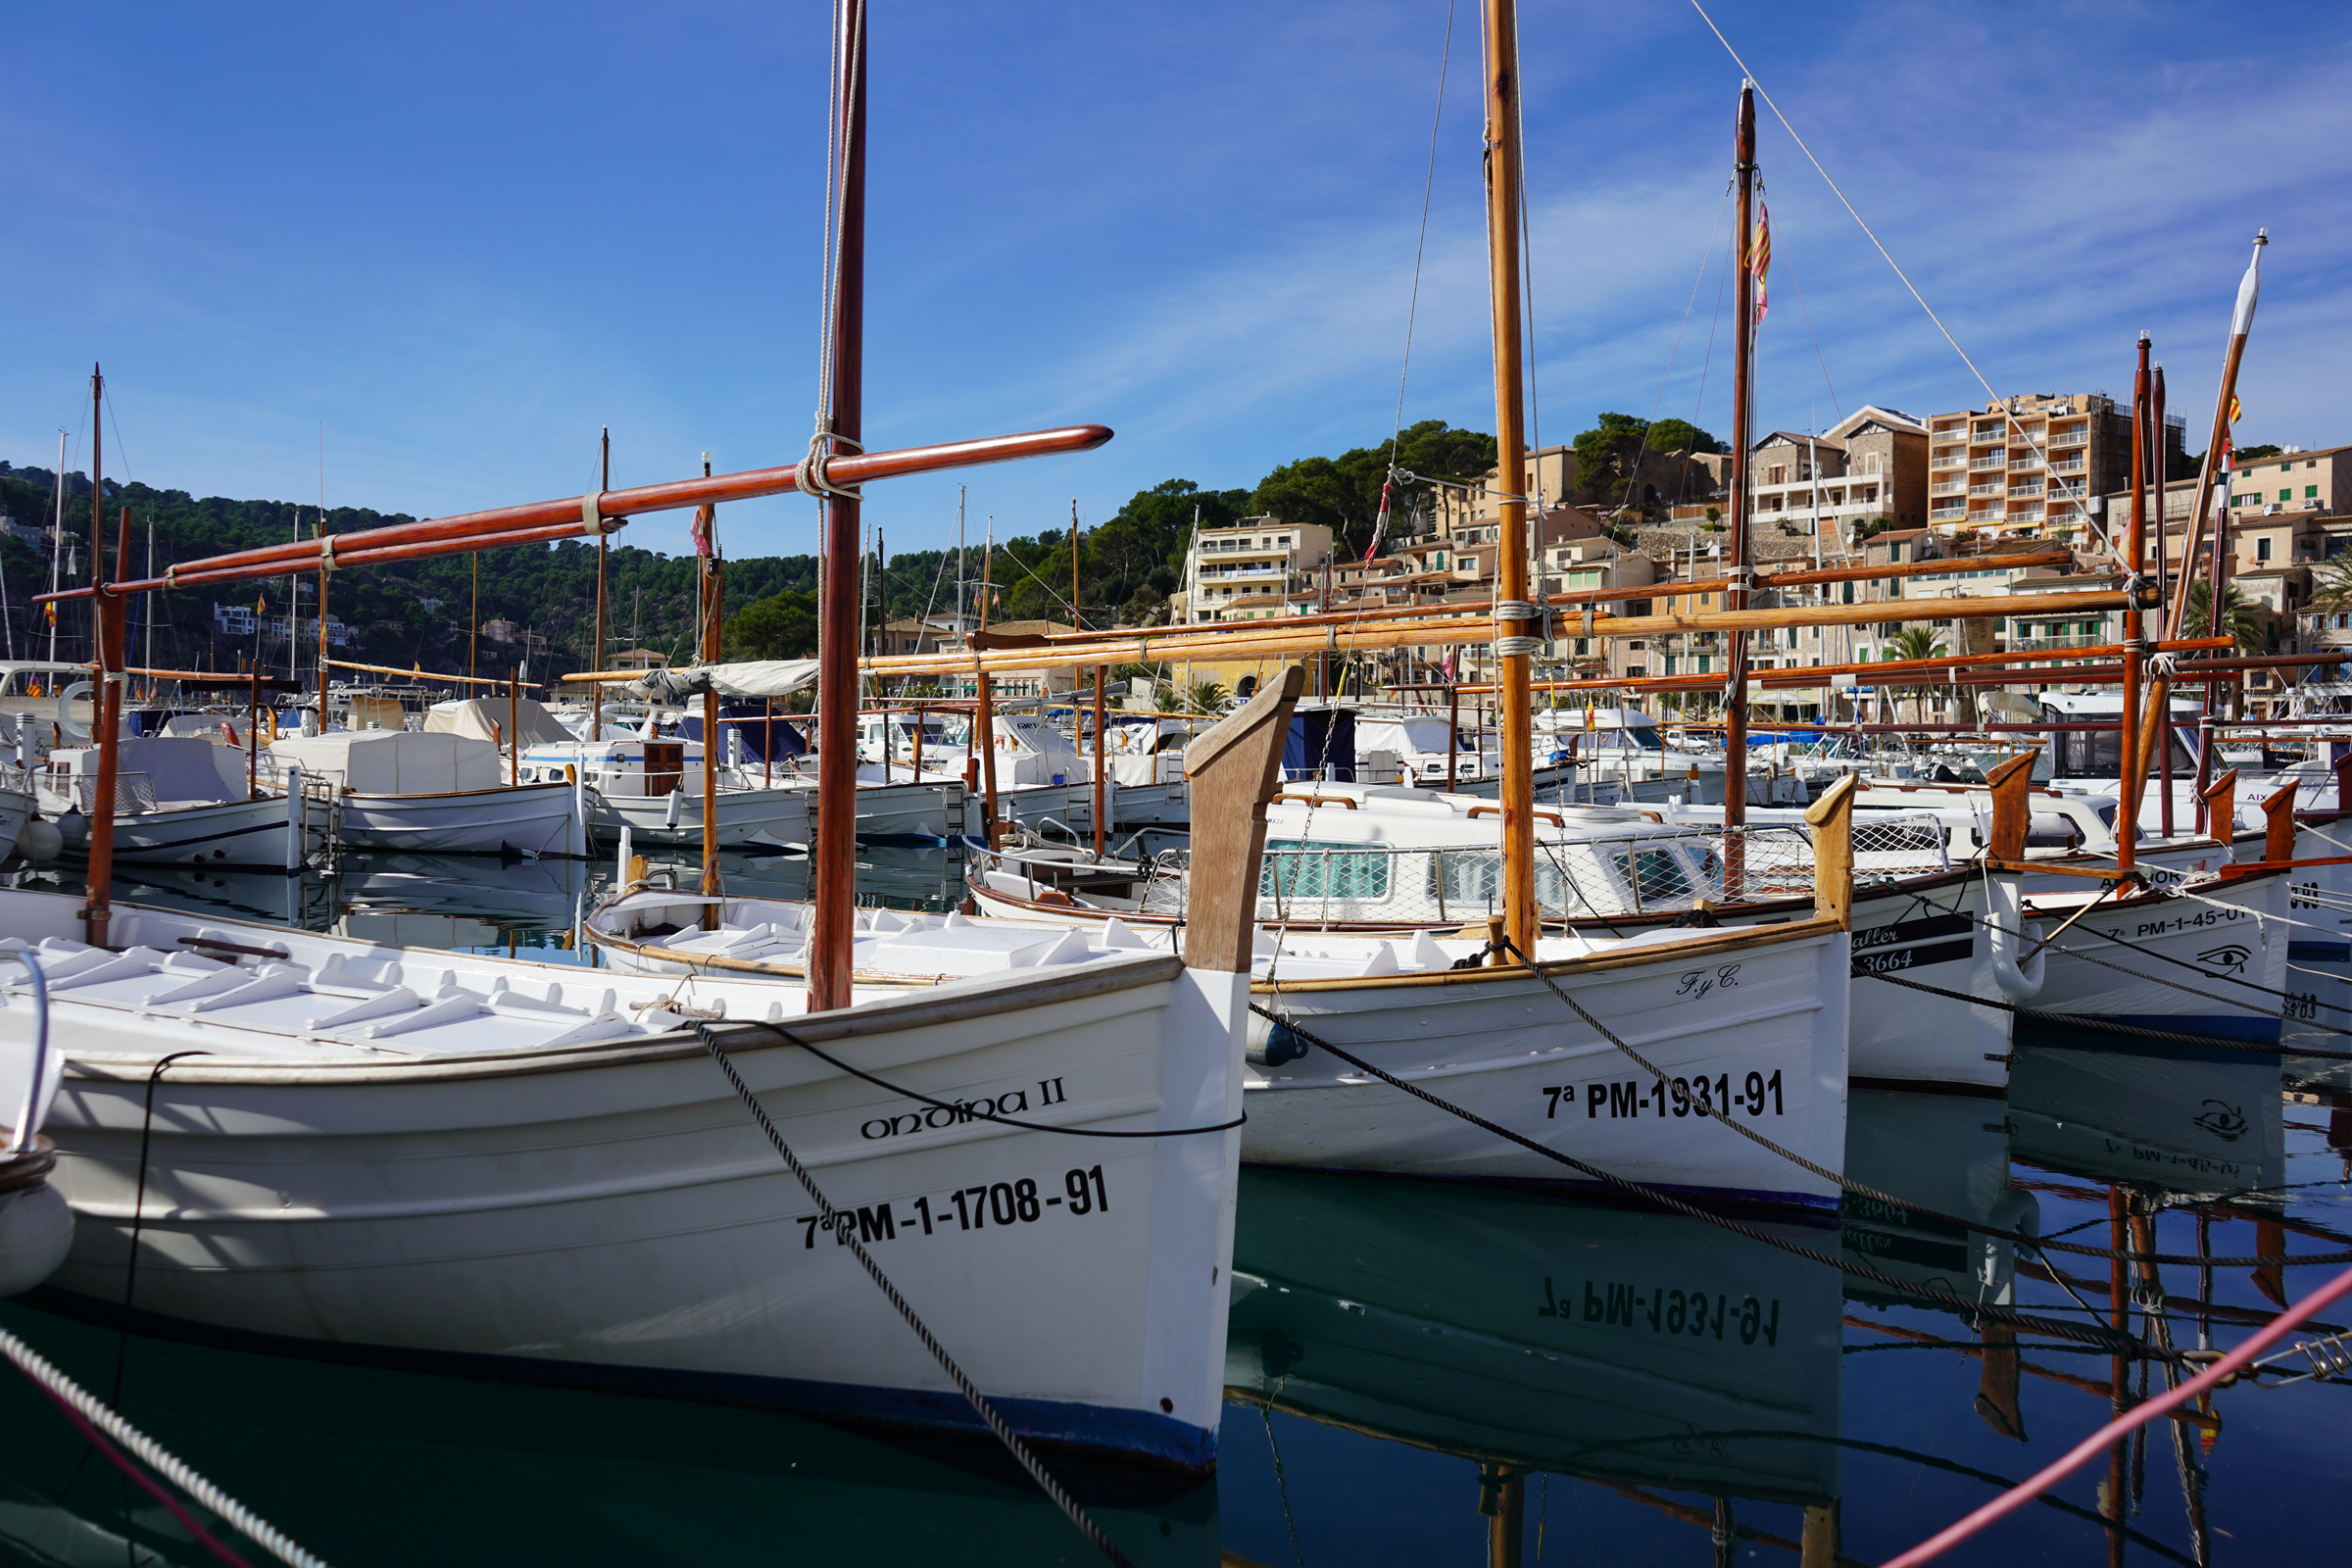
1295, 868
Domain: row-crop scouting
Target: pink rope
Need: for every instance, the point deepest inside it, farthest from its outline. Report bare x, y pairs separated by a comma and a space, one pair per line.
2089, 1448
139, 1477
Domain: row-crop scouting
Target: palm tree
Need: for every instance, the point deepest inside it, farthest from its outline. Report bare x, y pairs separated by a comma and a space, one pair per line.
2331, 584
1208, 697
2246, 628
1916, 642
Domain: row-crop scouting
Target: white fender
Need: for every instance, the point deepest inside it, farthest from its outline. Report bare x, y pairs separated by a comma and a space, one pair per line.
2019, 978
64, 710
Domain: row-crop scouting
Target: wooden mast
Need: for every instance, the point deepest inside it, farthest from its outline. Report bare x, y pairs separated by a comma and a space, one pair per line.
106, 607
604, 482
1743, 337
2127, 826
713, 601
2154, 727
833, 928
1503, 196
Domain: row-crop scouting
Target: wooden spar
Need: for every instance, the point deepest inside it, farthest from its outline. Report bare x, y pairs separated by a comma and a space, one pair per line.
2241, 324
426, 675
1271, 639
1790, 680
1815, 674
713, 604
2219, 803
514, 727
107, 716
835, 850
1504, 171
2127, 828
1743, 336
570, 517
2164, 815
595, 699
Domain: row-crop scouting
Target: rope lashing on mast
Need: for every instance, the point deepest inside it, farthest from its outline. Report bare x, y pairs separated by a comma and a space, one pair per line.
594, 520
824, 445
1513, 611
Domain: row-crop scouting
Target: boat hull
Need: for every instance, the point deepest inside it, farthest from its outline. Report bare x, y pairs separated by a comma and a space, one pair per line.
1760, 1018
526, 819
610, 1214
760, 818
2190, 955
246, 833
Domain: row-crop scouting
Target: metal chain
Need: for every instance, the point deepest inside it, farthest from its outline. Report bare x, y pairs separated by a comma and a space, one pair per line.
979, 1402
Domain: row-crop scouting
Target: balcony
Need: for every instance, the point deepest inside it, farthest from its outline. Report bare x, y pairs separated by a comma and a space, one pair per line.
1998, 487
1951, 432
2071, 438
2026, 487
1992, 459
2026, 460
1949, 487
2068, 492
1948, 515
1244, 574
1950, 459
2025, 513
2068, 465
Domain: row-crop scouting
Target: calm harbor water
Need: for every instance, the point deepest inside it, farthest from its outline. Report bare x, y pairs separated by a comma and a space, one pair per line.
1409, 1361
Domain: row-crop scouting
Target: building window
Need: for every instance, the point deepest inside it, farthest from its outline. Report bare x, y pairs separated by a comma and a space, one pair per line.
2262, 550
2311, 492
2286, 492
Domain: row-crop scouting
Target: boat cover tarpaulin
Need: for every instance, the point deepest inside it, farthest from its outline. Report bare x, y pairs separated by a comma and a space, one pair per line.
476, 715
392, 761
758, 677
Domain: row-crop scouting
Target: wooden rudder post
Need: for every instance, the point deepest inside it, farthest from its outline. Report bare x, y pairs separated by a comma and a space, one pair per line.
2012, 783
1832, 818
2220, 811
2278, 825
1235, 769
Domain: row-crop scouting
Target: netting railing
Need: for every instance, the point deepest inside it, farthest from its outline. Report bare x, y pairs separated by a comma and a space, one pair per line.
134, 793
1307, 885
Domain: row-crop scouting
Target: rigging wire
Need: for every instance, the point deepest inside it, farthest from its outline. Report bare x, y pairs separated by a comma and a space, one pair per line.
1429, 187
1881, 245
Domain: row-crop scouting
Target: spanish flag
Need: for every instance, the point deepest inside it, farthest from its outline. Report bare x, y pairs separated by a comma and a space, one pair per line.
1759, 258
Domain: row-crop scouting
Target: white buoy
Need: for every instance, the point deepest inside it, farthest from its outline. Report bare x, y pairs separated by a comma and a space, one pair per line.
74, 828
36, 1231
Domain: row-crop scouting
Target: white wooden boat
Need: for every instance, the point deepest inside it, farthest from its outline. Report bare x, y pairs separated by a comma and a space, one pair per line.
2205, 957
16, 810
184, 800
654, 788
534, 1171
436, 792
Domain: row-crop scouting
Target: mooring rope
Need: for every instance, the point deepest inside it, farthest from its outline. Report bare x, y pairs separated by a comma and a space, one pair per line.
86, 1408
2115, 1344
2076, 1020
979, 1402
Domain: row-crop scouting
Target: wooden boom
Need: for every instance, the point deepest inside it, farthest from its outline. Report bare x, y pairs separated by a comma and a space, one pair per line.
597, 512
1277, 639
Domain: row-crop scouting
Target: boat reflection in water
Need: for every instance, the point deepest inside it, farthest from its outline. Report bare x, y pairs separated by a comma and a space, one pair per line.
1528, 1331
2199, 1121
497, 1474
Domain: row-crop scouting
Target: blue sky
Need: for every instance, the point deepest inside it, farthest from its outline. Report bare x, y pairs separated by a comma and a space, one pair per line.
457, 239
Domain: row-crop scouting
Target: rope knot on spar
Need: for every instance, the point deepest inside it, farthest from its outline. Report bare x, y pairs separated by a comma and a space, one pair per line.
326, 552
2163, 667
824, 445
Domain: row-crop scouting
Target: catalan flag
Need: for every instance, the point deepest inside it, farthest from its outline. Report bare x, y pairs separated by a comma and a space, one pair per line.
2238, 410
1759, 258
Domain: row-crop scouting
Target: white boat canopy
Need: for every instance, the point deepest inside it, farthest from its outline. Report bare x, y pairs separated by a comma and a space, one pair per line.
757, 677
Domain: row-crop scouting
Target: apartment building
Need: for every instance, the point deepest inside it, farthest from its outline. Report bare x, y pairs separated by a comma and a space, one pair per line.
1873, 463
1469, 514
2291, 481
2029, 462
1251, 569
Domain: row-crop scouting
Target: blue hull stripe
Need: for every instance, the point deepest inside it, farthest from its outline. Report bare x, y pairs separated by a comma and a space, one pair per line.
1134, 1436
